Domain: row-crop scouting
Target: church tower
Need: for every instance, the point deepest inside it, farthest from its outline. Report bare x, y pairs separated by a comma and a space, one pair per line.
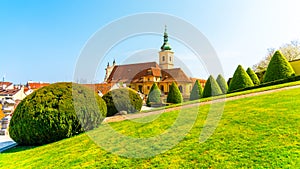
108, 70
166, 55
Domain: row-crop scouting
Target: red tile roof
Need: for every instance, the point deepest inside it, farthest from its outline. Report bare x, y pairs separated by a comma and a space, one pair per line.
133, 73
36, 85
176, 74
9, 92
202, 81
102, 87
5, 83
127, 73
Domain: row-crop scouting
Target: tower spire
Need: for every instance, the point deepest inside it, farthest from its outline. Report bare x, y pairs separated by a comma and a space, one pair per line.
166, 45
166, 35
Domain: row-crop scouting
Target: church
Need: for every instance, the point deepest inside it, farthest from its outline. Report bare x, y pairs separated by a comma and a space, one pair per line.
141, 76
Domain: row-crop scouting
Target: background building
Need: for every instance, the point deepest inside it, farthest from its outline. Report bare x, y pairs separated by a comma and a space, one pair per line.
141, 76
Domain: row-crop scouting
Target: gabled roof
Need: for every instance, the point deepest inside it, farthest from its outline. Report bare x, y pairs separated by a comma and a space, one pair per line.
295, 60
5, 84
127, 73
176, 74
152, 71
9, 92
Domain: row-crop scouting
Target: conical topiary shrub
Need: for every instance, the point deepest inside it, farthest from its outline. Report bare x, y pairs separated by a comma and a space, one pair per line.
278, 68
211, 88
240, 79
222, 84
253, 76
196, 92
174, 95
154, 95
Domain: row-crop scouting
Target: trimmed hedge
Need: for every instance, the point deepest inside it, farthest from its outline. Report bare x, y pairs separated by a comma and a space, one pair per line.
48, 114
196, 92
154, 95
222, 84
174, 95
253, 76
122, 99
278, 68
240, 79
276, 82
211, 88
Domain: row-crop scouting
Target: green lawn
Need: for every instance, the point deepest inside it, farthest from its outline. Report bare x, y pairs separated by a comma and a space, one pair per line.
255, 132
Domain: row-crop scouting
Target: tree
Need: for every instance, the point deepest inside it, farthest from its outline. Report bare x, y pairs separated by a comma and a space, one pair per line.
253, 76
211, 88
154, 95
278, 68
196, 92
290, 50
174, 95
222, 83
240, 79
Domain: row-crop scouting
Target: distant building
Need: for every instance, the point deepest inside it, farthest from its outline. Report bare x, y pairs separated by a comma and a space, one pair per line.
10, 96
141, 76
101, 88
31, 86
8, 105
6, 85
296, 66
15, 92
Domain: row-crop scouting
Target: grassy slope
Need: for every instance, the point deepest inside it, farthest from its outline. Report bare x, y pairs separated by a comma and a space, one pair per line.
261, 131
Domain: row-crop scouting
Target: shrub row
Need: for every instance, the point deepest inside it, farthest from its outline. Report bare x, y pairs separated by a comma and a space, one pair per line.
276, 82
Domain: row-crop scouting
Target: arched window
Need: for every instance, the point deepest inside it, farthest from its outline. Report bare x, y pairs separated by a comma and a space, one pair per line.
180, 88
170, 59
163, 58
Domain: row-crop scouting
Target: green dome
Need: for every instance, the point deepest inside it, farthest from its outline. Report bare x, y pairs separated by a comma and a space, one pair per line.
166, 46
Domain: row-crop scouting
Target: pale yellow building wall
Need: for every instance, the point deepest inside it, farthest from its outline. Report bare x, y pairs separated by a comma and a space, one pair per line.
296, 66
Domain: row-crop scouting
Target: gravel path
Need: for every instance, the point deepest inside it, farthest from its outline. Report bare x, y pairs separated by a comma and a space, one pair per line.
139, 115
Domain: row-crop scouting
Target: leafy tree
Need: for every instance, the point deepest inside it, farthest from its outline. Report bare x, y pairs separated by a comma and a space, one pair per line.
211, 88
174, 95
55, 112
222, 83
122, 99
240, 80
196, 92
253, 76
278, 68
290, 50
154, 95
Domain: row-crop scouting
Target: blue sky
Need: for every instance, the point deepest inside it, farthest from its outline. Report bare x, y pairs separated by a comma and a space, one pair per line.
41, 40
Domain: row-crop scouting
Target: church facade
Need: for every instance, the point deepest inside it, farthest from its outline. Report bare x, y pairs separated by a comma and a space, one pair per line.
141, 76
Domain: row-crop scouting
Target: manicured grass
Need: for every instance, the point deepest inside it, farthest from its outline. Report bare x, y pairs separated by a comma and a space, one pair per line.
255, 132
